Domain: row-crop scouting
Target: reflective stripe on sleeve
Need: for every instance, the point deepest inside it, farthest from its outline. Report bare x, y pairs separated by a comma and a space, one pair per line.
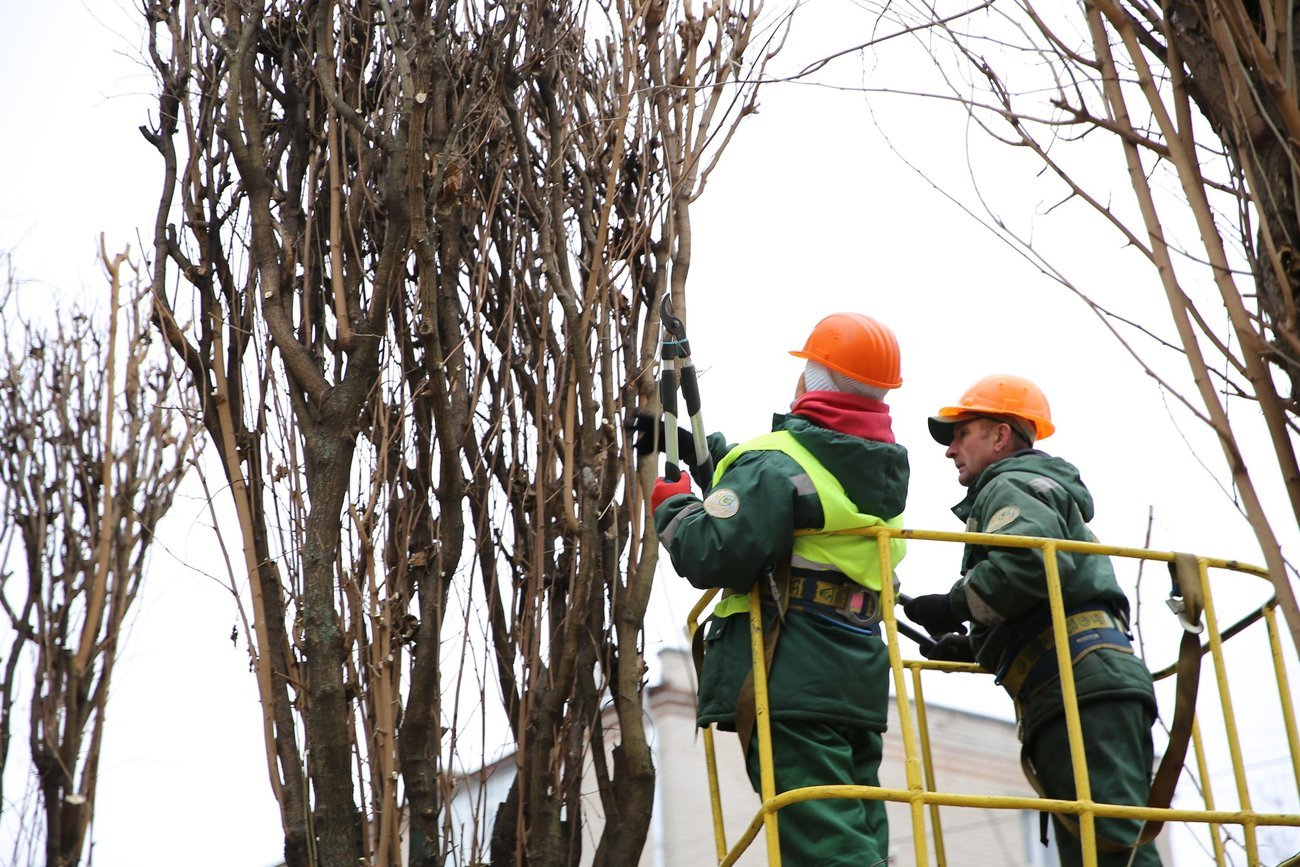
803, 484
666, 537
980, 610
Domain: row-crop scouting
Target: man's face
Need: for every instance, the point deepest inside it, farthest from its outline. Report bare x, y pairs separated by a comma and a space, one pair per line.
975, 445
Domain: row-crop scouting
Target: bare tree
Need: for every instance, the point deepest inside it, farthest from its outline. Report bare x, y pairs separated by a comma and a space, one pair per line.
411, 255
1200, 97
96, 445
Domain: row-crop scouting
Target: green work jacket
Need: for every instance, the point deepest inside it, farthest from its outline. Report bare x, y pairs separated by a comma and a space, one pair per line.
822, 669
1003, 591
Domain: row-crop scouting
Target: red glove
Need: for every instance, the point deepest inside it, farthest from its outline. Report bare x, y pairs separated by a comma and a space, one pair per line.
664, 489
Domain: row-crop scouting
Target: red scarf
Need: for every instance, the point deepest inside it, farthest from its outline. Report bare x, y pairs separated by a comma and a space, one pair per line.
846, 413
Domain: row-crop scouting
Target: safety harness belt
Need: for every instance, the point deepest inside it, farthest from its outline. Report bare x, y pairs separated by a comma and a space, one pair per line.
1186, 575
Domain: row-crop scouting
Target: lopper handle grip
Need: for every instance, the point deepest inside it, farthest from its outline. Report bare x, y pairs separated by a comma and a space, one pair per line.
691, 392
668, 398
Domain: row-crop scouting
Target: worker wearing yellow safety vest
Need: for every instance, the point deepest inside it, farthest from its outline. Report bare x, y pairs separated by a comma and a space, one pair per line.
1016, 489
830, 464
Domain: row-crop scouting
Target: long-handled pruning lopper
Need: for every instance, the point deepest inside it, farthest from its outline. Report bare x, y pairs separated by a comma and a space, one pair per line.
675, 353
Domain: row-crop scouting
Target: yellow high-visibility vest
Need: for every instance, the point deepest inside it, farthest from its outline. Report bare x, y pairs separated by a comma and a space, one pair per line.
830, 550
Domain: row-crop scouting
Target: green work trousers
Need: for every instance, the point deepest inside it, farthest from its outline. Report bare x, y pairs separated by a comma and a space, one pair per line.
832, 832
1117, 743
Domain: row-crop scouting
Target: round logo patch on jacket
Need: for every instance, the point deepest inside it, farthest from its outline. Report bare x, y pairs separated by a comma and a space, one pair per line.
722, 503
1001, 518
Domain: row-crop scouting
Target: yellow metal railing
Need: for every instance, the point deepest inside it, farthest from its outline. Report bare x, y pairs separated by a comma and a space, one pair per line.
922, 792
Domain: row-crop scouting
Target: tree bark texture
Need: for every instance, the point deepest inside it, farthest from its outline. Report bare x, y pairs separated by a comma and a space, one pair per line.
411, 254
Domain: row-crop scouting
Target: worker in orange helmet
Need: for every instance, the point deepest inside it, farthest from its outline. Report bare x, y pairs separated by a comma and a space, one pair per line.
1013, 488
830, 464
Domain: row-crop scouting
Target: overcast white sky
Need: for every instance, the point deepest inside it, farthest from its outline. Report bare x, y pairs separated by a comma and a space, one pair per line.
809, 213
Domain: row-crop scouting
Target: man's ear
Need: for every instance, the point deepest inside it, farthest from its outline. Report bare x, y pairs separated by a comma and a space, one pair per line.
1006, 440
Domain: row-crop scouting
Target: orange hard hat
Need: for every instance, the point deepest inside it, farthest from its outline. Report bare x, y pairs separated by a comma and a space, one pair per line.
998, 395
857, 346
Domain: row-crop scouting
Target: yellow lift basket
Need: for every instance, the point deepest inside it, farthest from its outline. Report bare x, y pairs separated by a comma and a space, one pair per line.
921, 792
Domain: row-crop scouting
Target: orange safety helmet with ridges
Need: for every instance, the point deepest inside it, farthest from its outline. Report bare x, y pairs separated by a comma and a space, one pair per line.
857, 346
998, 395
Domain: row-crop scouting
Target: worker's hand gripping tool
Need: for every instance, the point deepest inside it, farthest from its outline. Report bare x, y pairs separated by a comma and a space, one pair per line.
923, 641
675, 355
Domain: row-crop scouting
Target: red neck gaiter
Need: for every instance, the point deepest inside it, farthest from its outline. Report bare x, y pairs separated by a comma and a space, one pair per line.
847, 414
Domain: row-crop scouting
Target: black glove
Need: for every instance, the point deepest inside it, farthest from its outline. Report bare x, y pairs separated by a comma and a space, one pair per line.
648, 430
934, 613
950, 647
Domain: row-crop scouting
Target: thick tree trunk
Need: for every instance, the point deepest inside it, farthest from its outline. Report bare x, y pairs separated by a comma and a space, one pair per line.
336, 823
